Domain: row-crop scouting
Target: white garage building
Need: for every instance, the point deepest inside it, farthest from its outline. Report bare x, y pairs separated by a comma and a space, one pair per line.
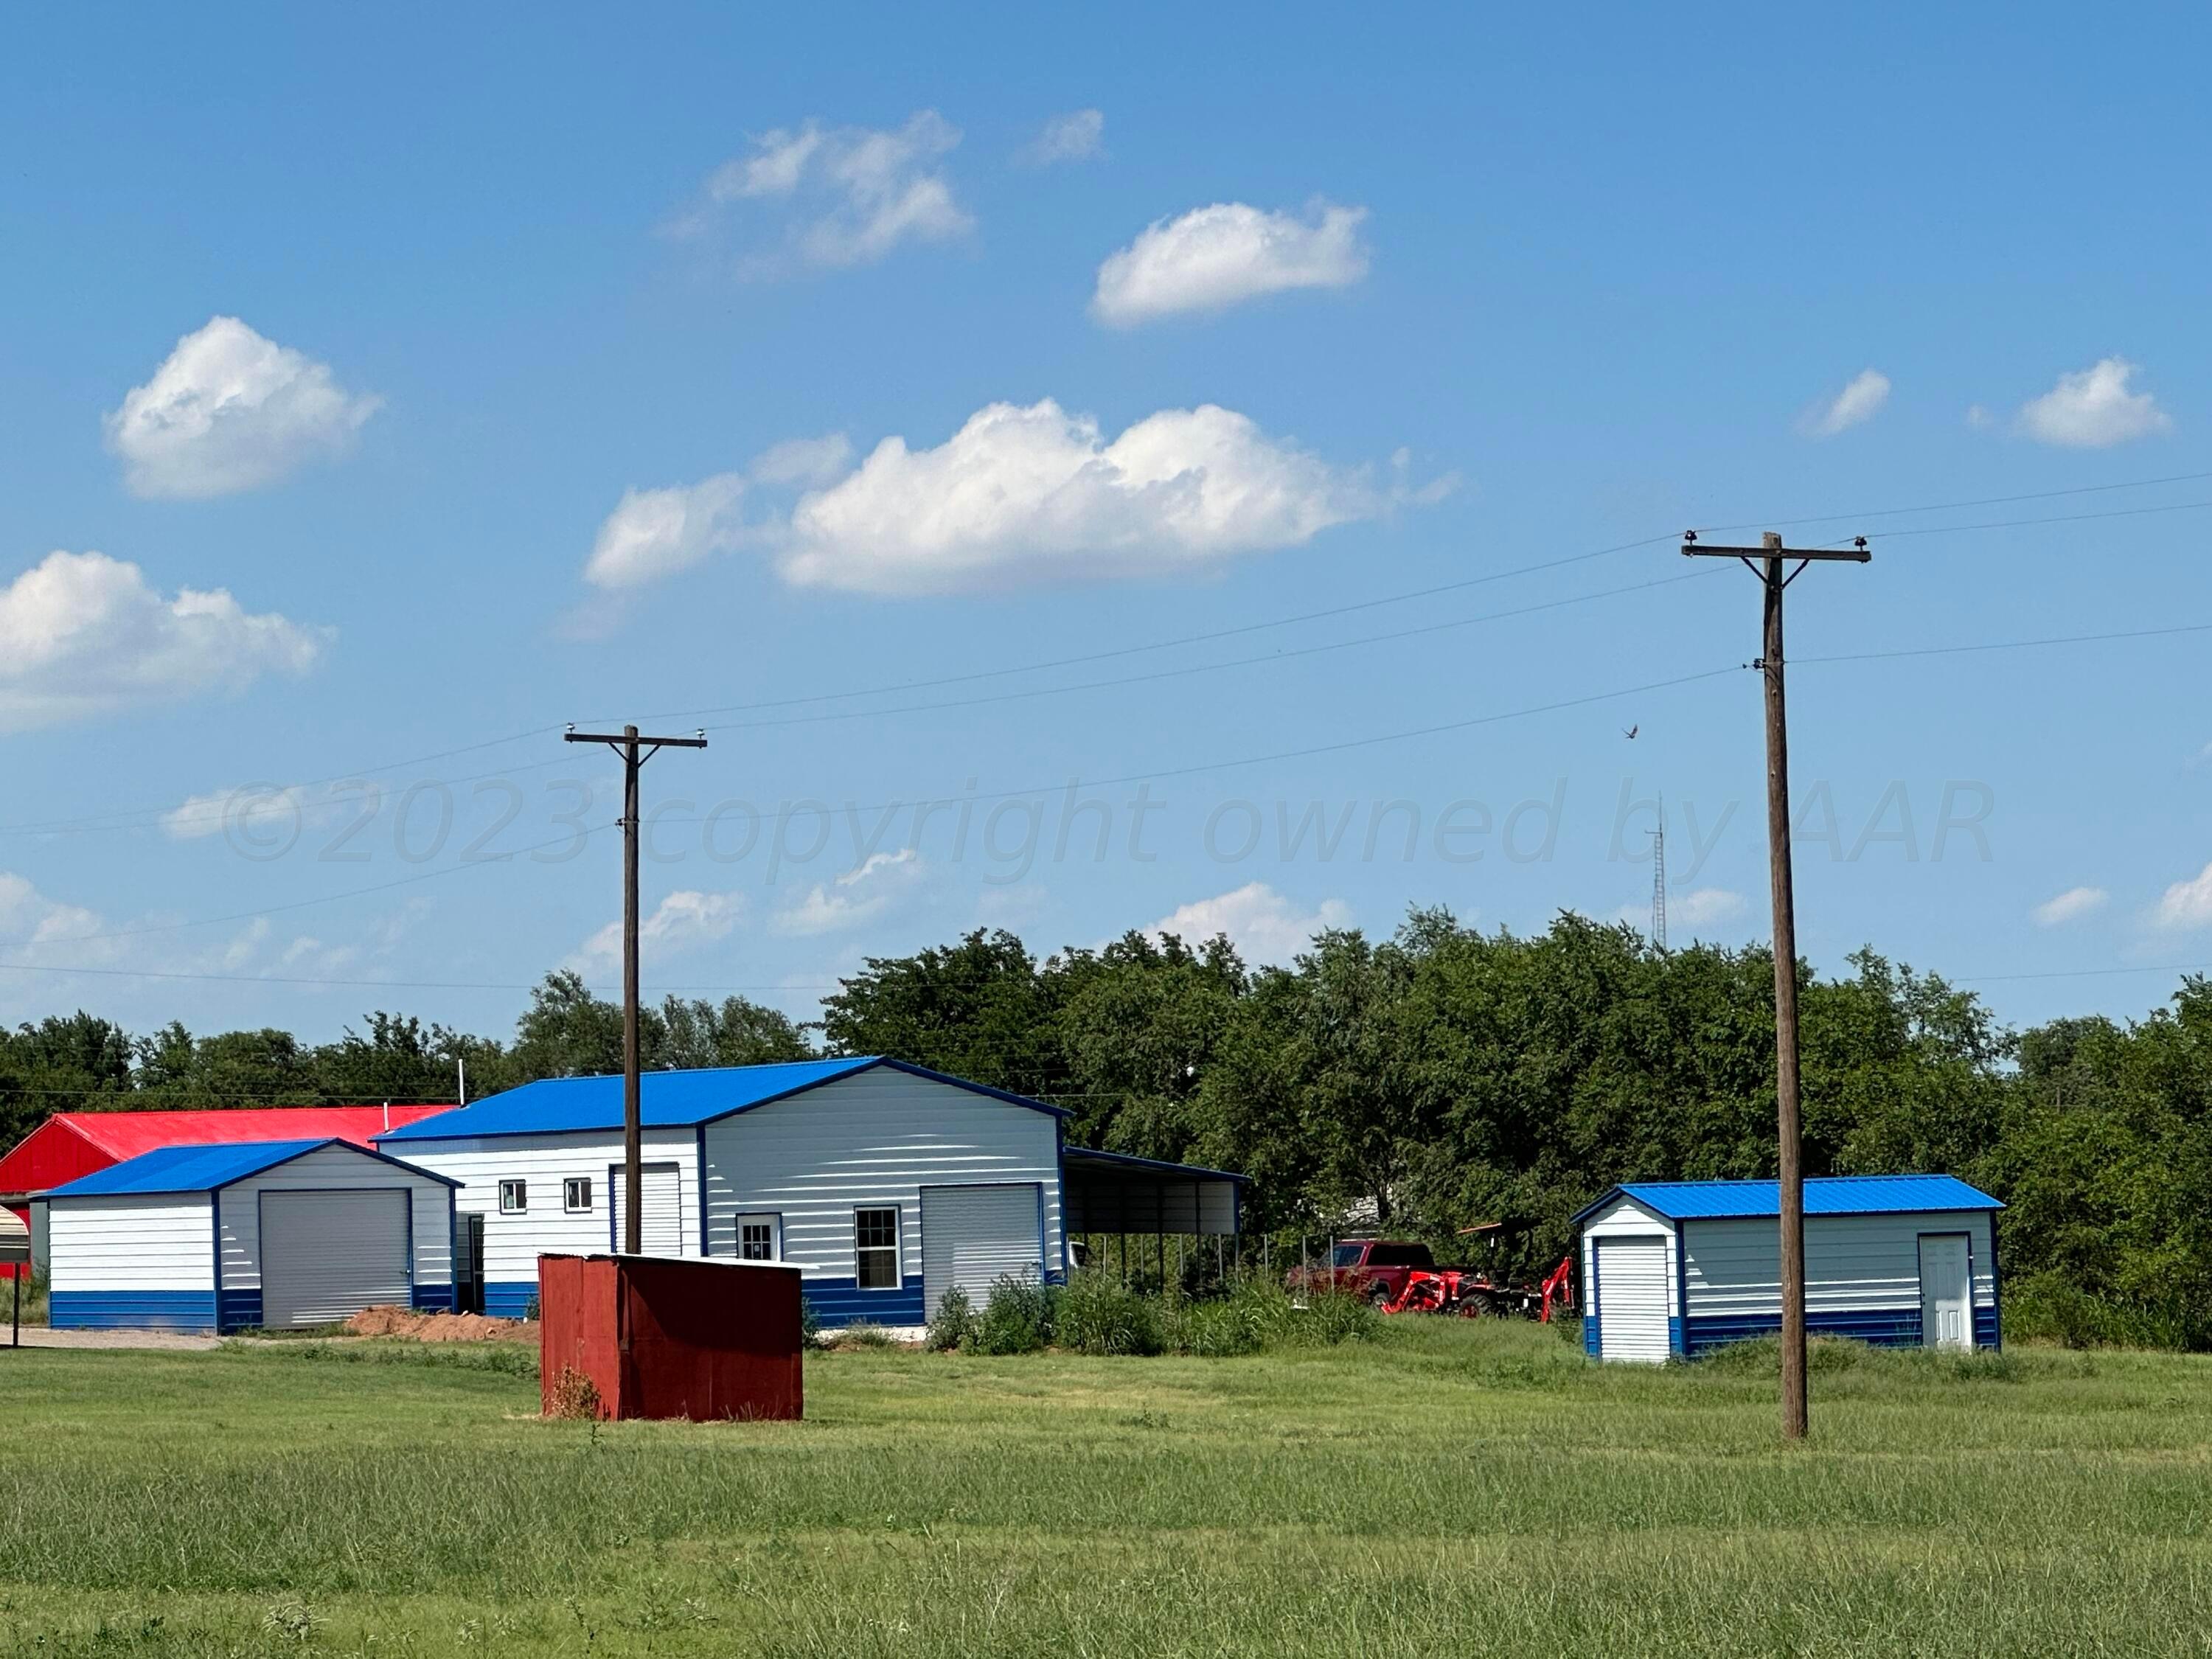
274, 1234
1677, 1268
886, 1183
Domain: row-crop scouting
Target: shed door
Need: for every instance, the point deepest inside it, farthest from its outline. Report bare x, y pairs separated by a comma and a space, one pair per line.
1632, 1298
663, 1210
972, 1235
326, 1255
1946, 1292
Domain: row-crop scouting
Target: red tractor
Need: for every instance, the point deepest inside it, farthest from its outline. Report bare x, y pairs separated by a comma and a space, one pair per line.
1402, 1276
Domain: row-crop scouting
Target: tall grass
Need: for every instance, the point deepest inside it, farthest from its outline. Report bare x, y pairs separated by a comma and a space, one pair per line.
1444, 1487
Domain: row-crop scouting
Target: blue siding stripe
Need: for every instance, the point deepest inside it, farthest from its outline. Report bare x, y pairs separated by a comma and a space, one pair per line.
838, 1301
112, 1310
510, 1299
238, 1311
1589, 1335
433, 1298
1886, 1328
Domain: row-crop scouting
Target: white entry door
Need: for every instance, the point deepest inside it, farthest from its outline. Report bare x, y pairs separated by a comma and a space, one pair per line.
1947, 1303
662, 1213
1632, 1298
970, 1236
324, 1256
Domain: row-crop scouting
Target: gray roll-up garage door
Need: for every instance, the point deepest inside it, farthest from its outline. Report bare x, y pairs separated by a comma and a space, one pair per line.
972, 1235
324, 1256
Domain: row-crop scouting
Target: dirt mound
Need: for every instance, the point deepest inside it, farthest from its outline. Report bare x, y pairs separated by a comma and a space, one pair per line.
439, 1327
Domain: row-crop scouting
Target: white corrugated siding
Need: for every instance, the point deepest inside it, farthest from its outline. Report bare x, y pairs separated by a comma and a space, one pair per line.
130, 1242
1625, 1218
330, 1169
512, 1242
326, 1256
973, 1235
877, 1138
1853, 1263
1632, 1275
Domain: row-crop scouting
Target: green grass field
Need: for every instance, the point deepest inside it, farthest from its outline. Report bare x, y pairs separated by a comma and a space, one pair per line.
1447, 1489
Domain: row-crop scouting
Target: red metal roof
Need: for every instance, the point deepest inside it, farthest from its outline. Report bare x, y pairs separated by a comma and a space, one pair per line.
72, 1144
126, 1134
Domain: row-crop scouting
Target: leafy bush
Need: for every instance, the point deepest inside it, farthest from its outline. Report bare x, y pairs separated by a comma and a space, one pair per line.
1335, 1315
2051, 1307
1097, 1314
953, 1325
810, 1323
1018, 1318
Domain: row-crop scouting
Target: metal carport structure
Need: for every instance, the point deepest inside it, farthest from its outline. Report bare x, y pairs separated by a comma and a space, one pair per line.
1118, 1194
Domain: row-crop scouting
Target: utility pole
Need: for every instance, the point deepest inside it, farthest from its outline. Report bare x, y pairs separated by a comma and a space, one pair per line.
1771, 555
627, 744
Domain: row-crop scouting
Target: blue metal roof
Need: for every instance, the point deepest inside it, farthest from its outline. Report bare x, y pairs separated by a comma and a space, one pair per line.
666, 1100
204, 1168
1690, 1200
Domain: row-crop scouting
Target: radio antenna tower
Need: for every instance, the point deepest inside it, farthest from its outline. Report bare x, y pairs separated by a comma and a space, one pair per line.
1659, 881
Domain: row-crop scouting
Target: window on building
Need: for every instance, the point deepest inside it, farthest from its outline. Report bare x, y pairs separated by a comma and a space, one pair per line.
875, 1249
513, 1197
757, 1238
576, 1194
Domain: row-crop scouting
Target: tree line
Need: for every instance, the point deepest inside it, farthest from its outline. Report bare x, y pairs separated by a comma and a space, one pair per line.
1437, 1078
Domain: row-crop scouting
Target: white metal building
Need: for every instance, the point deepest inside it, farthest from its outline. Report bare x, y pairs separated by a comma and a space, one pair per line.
886, 1183
1677, 1268
274, 1234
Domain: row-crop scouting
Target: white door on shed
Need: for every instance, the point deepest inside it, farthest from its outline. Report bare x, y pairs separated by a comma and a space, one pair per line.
662, 1211
1946, 1292
1632, 1298
972, 1235
326, 1255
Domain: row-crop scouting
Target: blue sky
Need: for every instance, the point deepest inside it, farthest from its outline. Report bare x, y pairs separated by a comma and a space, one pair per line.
545, 366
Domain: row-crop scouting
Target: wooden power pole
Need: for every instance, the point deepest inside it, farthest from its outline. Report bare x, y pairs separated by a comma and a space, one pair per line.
627, 744
1770, 557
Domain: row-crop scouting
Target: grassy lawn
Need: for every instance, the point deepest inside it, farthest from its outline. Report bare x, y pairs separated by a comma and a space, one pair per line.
1447, 1489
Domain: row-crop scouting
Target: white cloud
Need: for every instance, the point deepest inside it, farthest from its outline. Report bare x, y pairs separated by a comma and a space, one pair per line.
2187, 903
230, 411
1705, 907
2069, 906
1859, 401
1215, 256
1701, 907
862, 191
682, 921
1267, 928
2093, 409
858, 896
1077, 136
81, 633
653, 534
1038, 495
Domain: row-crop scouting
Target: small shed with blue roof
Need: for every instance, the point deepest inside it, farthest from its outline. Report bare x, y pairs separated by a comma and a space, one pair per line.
887, 1184
1677, 1268
273, 1234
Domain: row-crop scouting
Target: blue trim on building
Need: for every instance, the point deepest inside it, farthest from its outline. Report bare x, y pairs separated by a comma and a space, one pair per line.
1677, 1340
1997, 1296
433, 1299
1986, 1332
509, 1299
125, 1310
839, 1302
238, 1311
1589, 1334
1675, 1337
1884, 1327
706, 1239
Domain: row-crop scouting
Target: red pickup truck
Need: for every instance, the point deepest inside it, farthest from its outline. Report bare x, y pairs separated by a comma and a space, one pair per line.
1378, 1269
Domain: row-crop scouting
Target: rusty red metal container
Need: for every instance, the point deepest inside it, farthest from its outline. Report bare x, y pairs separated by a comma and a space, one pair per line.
644, 1336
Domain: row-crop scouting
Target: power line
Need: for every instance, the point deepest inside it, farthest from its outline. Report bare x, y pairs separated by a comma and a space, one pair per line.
377, 984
